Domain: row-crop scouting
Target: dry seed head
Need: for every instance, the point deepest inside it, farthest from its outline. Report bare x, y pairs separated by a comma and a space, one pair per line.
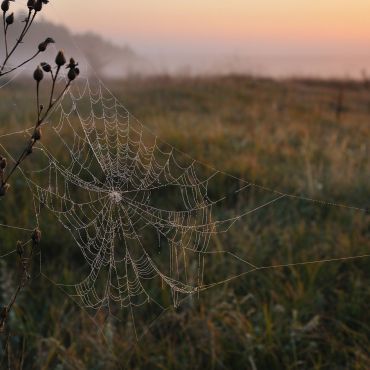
5, 6
72, 74
10, 19
44, 44
46, 67
38, 5
38, 75
31, 4
72, 63
60, 59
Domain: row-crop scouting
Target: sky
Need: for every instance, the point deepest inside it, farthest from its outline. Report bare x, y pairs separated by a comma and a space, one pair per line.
283, 28
332, 24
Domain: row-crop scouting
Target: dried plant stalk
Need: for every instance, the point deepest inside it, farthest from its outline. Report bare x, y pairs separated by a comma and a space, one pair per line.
26, 250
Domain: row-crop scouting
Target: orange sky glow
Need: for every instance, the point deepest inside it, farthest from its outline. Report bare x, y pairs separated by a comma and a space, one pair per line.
233, 21
283, 34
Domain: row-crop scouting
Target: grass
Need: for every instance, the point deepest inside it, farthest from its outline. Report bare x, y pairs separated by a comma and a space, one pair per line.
284, 135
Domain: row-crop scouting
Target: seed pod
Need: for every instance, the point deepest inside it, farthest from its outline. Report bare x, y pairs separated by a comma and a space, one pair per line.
4, 189
3, 163
36, 236
44, 44
50, 40
72, 74
60, 60
46, 67
38, 6
37, 134
38, 75
72, 63
10, 19
5, 6
31, 4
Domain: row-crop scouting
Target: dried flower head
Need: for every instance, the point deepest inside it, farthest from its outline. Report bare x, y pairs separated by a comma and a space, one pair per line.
38, 75
72, 63
5, 6
10, 19
73, 70
46, 67
72, 74
60, 59
31, 4
38, 5
44, 44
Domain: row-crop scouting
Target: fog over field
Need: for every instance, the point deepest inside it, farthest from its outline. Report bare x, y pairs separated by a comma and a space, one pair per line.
276, 66
117, 58
277, 39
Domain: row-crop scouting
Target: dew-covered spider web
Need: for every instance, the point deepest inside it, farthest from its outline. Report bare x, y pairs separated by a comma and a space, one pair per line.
138, 209
145, 217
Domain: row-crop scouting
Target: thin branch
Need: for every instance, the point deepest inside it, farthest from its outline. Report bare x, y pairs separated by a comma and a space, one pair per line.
39, 122
54, 78
42, 120
38, 100
28, 23
5, 35
20, 65
24, 276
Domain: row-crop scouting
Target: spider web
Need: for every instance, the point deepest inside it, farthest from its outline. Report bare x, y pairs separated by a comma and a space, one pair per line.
105, 184
145, 216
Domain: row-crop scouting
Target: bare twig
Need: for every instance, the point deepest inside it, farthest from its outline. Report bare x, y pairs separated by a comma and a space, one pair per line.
5, 36
21, 65
26, 254
28, 22
40, 120
23, 278
34, 7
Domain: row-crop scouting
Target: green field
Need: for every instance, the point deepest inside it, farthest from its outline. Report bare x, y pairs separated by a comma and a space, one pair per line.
306, 138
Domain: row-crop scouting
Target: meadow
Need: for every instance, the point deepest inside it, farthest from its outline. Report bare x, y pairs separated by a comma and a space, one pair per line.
308, 138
